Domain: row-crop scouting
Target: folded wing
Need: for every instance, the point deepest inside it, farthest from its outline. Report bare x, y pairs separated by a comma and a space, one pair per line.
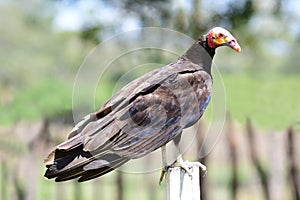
143, 116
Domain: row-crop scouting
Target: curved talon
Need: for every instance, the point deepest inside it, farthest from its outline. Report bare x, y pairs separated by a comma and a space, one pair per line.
202, 167
185, 165
163, 173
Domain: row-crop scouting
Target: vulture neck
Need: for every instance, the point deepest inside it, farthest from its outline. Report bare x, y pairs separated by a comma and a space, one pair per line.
201, 54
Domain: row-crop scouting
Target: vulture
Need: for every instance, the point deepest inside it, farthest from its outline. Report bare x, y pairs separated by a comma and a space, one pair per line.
143, 116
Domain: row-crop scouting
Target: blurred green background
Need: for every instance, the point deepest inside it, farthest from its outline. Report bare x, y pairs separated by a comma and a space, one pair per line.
43, 43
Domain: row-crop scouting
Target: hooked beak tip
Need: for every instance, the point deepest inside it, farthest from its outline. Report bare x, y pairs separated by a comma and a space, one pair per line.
235, 46
237, 49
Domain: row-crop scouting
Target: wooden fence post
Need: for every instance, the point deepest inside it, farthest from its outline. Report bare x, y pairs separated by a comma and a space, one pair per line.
98, 191
4, 179
292, 166
262, 173
77, 191
120, 189
201, 147
233, 148
182, 185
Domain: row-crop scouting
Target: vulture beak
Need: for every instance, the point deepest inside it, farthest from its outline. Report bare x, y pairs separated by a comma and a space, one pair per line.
229, 41
232, 43
221, 37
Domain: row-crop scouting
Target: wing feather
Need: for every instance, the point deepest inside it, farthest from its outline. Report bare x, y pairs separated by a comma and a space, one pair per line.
143, 116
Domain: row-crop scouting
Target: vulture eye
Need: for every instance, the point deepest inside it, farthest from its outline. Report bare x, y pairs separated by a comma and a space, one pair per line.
221, 35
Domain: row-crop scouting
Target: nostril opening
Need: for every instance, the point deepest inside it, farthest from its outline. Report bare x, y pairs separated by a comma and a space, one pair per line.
232, 42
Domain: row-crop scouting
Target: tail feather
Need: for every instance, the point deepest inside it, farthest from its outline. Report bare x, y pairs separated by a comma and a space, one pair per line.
70, 175
91, 174
74, 163
87, 153
66, 161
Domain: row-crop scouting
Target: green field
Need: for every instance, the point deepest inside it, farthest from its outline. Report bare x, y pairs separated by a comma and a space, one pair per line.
272, 102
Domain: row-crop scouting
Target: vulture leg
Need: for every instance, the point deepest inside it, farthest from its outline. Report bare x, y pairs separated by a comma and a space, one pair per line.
185, 165
179, 162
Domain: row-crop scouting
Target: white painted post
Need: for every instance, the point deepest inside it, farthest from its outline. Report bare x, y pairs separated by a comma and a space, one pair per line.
182, 185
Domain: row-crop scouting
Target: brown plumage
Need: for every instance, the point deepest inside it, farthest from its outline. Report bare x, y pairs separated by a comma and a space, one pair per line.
143, 116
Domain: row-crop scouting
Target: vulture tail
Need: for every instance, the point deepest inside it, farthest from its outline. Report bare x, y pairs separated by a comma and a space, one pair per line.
69, 161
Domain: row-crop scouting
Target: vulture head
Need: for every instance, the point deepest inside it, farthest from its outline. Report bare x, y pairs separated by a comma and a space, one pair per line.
218, 36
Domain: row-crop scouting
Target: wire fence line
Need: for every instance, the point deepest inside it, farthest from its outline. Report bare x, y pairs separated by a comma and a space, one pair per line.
246, 163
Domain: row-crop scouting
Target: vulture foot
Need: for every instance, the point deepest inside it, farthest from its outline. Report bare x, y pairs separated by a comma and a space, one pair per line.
185, 165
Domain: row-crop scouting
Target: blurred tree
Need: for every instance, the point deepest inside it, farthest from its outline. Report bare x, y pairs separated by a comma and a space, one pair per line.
196, 28
91, 33
37, 58
180, 19
35, 61
149, 12
192, 17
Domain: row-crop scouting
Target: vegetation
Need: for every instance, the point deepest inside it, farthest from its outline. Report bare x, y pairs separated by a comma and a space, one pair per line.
39, 64
272, 101
44, 43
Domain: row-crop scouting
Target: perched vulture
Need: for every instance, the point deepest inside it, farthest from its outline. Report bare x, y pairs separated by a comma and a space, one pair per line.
143, 116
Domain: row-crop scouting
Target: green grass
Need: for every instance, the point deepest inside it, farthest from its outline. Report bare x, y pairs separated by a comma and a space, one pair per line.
46, 99
271, 102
